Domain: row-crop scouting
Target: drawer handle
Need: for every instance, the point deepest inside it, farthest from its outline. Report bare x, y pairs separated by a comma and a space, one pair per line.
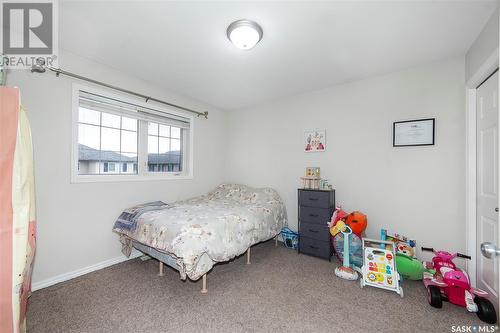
313, 215
313, 199
312, 230
314, 247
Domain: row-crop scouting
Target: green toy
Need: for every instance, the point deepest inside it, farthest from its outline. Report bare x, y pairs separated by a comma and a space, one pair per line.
409, 268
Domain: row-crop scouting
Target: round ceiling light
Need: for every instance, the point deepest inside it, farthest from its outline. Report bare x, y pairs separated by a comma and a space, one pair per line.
244, 34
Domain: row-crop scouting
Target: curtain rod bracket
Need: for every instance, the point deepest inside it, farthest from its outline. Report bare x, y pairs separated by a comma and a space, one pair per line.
204, 114
40, 67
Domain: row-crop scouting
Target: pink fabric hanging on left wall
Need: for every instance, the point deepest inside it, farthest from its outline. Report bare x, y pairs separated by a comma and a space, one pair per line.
17, 212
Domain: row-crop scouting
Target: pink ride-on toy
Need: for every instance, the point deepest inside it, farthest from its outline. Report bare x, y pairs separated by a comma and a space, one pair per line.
452, 284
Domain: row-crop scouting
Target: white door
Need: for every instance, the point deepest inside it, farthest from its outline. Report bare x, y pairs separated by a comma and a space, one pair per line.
487, 184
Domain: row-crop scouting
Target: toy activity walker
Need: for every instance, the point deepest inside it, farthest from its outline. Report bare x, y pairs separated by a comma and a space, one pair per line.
379, 266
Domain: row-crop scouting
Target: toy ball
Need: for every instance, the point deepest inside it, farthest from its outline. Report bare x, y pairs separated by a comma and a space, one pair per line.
357, 221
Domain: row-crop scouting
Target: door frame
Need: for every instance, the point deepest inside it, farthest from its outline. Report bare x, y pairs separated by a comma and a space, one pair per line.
484, 71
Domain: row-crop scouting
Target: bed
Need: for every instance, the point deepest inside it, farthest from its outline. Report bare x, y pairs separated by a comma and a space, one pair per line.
193, 235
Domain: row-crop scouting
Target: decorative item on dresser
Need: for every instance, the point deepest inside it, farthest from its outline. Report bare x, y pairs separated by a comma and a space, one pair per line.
315, 210
312, 178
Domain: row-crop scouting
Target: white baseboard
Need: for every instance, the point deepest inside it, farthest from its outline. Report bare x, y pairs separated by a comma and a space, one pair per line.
82, 271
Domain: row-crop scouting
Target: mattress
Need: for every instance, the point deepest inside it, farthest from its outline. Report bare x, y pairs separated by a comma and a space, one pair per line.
198, 233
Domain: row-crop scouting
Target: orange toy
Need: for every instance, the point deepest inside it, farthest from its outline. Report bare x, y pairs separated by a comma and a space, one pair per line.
357, 221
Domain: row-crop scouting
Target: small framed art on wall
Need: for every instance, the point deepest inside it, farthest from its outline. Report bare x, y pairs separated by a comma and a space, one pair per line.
314, 141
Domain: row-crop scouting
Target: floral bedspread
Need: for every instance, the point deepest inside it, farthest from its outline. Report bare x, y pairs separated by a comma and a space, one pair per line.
215, 227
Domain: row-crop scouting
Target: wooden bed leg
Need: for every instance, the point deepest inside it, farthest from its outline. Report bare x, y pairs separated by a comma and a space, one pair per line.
161, 270
204, 289
276, 241
248, 256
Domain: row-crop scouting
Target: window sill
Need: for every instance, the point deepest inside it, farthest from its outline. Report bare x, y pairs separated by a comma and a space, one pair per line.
77, 179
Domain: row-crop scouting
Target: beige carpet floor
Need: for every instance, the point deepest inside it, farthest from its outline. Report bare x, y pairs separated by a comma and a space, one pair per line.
280, 291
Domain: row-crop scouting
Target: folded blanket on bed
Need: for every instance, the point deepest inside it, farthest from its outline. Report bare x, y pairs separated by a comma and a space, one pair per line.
128, 219
202, 231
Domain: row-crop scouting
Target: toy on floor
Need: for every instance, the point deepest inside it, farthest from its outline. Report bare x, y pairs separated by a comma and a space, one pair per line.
452, 284
355, 248
290, 238
357, 223
404, 245
409, 267
338, 215
379, 266
345, 271
337, 224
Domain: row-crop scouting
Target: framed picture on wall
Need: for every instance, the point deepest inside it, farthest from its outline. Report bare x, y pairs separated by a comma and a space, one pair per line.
314, 141
419, 132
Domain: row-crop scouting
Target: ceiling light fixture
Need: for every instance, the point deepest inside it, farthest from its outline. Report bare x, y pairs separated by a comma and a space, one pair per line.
244, 34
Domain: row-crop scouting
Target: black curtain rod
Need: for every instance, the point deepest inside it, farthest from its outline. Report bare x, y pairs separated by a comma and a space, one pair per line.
40, 67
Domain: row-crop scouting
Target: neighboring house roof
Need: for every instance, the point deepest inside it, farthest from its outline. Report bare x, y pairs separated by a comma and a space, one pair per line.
173, 157
86, 153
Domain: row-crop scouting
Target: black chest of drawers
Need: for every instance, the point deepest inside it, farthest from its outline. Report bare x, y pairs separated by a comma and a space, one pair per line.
315, 210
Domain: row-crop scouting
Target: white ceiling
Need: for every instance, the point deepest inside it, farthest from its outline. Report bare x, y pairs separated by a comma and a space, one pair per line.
182, 46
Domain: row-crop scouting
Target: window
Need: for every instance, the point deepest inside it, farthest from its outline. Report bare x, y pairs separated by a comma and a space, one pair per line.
116, 138
104, 138
164, 148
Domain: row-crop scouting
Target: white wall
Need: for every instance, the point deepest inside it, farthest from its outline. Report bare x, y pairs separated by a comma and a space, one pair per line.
417, 191
75, 220
483, 47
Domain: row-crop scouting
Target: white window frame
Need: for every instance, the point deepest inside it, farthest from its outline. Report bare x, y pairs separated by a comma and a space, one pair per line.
142, 145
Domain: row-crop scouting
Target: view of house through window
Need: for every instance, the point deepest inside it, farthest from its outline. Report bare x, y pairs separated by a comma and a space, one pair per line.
105, 140
116, 138
164, 148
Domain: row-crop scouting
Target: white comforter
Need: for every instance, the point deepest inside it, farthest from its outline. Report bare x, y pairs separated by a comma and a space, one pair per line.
213, 228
